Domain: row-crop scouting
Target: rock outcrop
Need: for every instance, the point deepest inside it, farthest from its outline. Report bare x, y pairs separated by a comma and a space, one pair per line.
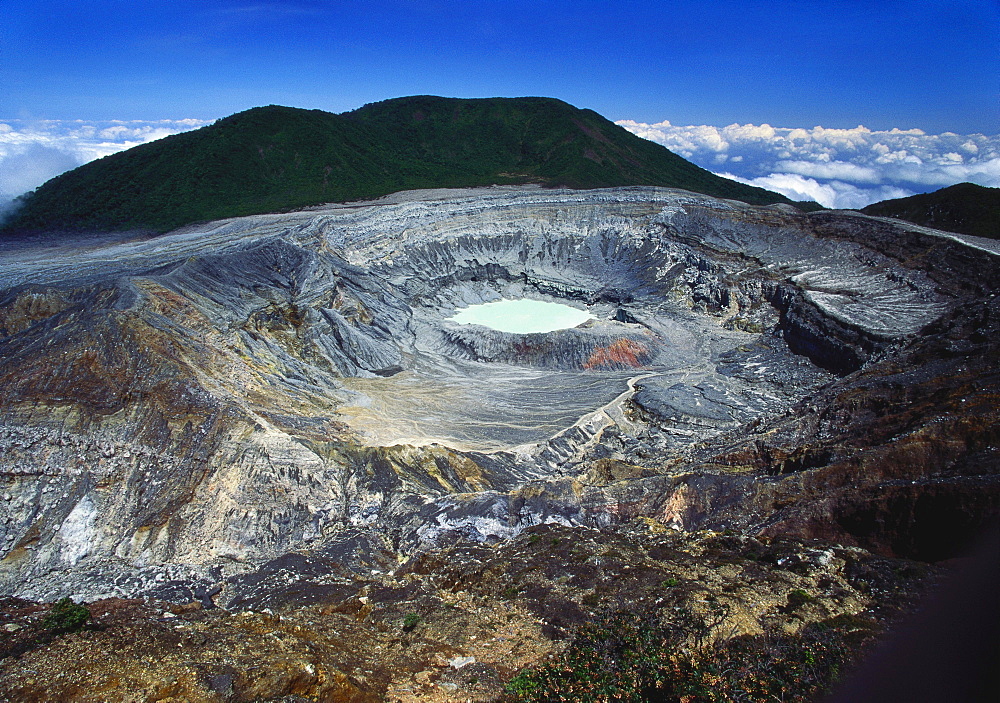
176, 412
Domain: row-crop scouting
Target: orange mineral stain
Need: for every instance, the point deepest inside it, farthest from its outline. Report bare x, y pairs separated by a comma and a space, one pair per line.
624, 352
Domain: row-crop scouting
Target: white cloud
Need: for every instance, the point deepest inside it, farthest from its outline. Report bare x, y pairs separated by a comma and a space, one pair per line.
33, 152
28, 165
833, 193
845, 168
825, 169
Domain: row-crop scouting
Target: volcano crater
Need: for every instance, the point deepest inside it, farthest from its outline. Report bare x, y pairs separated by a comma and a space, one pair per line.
237, 390
676, 302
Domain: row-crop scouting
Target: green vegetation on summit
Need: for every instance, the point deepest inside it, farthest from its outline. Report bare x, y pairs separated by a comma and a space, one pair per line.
276, 159
966, 208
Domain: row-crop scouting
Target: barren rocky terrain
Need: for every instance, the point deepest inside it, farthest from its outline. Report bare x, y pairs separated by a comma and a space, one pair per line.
459, 622
274, 415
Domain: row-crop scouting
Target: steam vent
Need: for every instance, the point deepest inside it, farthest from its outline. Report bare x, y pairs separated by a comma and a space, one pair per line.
176, 412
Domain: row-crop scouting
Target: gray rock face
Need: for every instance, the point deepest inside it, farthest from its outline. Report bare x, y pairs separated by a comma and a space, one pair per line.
186, 408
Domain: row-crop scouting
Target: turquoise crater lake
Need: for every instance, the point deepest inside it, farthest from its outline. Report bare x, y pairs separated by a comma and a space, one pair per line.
522, 316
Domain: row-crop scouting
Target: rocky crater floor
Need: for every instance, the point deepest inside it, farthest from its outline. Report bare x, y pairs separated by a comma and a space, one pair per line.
214, 415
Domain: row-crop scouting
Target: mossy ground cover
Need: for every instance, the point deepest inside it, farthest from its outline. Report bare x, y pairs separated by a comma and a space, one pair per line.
627, 658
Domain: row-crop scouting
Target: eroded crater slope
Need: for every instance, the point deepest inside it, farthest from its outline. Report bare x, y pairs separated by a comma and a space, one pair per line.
180, 410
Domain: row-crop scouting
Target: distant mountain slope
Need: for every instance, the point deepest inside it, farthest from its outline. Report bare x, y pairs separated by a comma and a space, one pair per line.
966, 208
275, 159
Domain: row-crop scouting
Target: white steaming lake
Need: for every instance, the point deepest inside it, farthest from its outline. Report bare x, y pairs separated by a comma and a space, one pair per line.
522, 316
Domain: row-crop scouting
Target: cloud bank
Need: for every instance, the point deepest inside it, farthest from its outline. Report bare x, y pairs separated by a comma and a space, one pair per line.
841, 168
32, 152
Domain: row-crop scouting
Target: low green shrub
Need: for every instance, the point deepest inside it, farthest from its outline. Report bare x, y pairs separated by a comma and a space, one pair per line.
66, 616
512, 591
798, 598
410, 622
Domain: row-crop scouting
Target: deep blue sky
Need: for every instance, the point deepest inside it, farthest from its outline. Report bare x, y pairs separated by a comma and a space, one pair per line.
930, 64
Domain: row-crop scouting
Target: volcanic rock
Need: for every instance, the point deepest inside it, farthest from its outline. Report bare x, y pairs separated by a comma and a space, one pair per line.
179, 414
455, 623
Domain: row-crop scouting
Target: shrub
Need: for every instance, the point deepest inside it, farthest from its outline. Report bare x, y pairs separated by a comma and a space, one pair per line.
512, 591
798, 598
66, 616
410, 622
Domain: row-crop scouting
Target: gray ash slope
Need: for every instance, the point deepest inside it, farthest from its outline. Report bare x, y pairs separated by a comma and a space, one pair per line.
177, 412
